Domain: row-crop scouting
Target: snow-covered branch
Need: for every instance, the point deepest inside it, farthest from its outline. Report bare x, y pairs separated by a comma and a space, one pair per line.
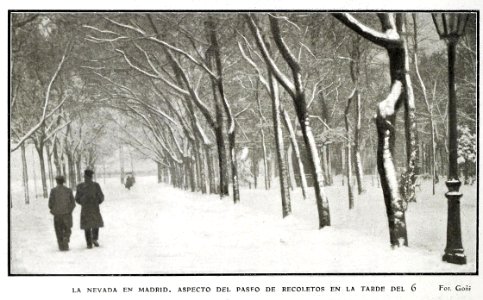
46, 102
252, 63
389, 37
282, 78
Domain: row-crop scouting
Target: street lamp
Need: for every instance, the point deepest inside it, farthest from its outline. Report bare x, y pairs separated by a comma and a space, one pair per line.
450, 27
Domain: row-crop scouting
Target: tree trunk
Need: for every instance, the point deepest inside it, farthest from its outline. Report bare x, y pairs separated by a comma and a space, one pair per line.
425, 97
355, 63
191, 168
298, 96
395, 207
211, 169
343, 166
291, 173
410, 120
57, 162
201, 168
348, 153
159, 172
330, 180
255, 168
35, 176
220, 120
234, 167
293, 141
78, 167
358, 160
324, 163
43, 176
71, 171
321, 198
49, 165
277, 128
231, 126
121, 162
25, 175
401, 89
266, 175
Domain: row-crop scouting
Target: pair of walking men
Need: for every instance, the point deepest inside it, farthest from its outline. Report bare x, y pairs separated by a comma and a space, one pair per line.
62, 202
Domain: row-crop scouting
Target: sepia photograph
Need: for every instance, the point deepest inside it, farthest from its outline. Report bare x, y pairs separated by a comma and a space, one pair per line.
237, 147
243, 142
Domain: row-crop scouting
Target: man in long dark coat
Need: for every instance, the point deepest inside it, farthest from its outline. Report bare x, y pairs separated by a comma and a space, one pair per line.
89, 195
61, 205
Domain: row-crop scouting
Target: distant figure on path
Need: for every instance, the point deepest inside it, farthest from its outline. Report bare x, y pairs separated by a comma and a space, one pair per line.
61, 205
129, 181
89, 195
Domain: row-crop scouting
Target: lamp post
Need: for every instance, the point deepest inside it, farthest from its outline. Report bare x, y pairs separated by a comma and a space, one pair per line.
450, 27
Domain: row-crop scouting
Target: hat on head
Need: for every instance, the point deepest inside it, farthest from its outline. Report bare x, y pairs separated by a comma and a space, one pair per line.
59, 179
88, 173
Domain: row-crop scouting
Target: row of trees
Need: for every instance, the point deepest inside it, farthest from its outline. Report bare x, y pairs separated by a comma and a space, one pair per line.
49, 105
214, 95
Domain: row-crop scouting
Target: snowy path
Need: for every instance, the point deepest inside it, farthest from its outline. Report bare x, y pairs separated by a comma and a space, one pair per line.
157, 229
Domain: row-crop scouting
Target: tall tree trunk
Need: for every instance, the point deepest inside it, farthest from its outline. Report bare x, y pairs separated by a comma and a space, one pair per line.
71, 170
121, 162
266, 176
426, 101
296, 91
40, 151
158, 164
223, 103
57, 162
78, 167
201, 168
255, 167
49, 165
410, 119
277, 128
323, 159
348, 153
291, 173
386, 121
220, 119
357, 152
191, 168
234, 167
320, 196
343, 165
401, 91
355, 69
211, 169
330, 180
293, 141
173, 175
266, 173
25, 175
35, 176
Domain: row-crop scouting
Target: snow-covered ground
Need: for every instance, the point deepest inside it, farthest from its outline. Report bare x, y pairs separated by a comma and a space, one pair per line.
155, 228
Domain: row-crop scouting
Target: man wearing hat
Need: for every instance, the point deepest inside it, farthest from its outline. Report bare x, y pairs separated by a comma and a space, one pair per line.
61, 205
89, 195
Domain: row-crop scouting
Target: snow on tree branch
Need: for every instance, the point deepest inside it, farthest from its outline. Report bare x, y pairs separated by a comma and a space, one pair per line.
382, 39
284, 81
387, 106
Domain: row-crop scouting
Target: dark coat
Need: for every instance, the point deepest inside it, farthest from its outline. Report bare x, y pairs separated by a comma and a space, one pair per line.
61, 200
129, 182
89, 195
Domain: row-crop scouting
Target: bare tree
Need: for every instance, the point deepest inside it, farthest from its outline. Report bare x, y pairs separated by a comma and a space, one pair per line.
393, 39
296, 91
